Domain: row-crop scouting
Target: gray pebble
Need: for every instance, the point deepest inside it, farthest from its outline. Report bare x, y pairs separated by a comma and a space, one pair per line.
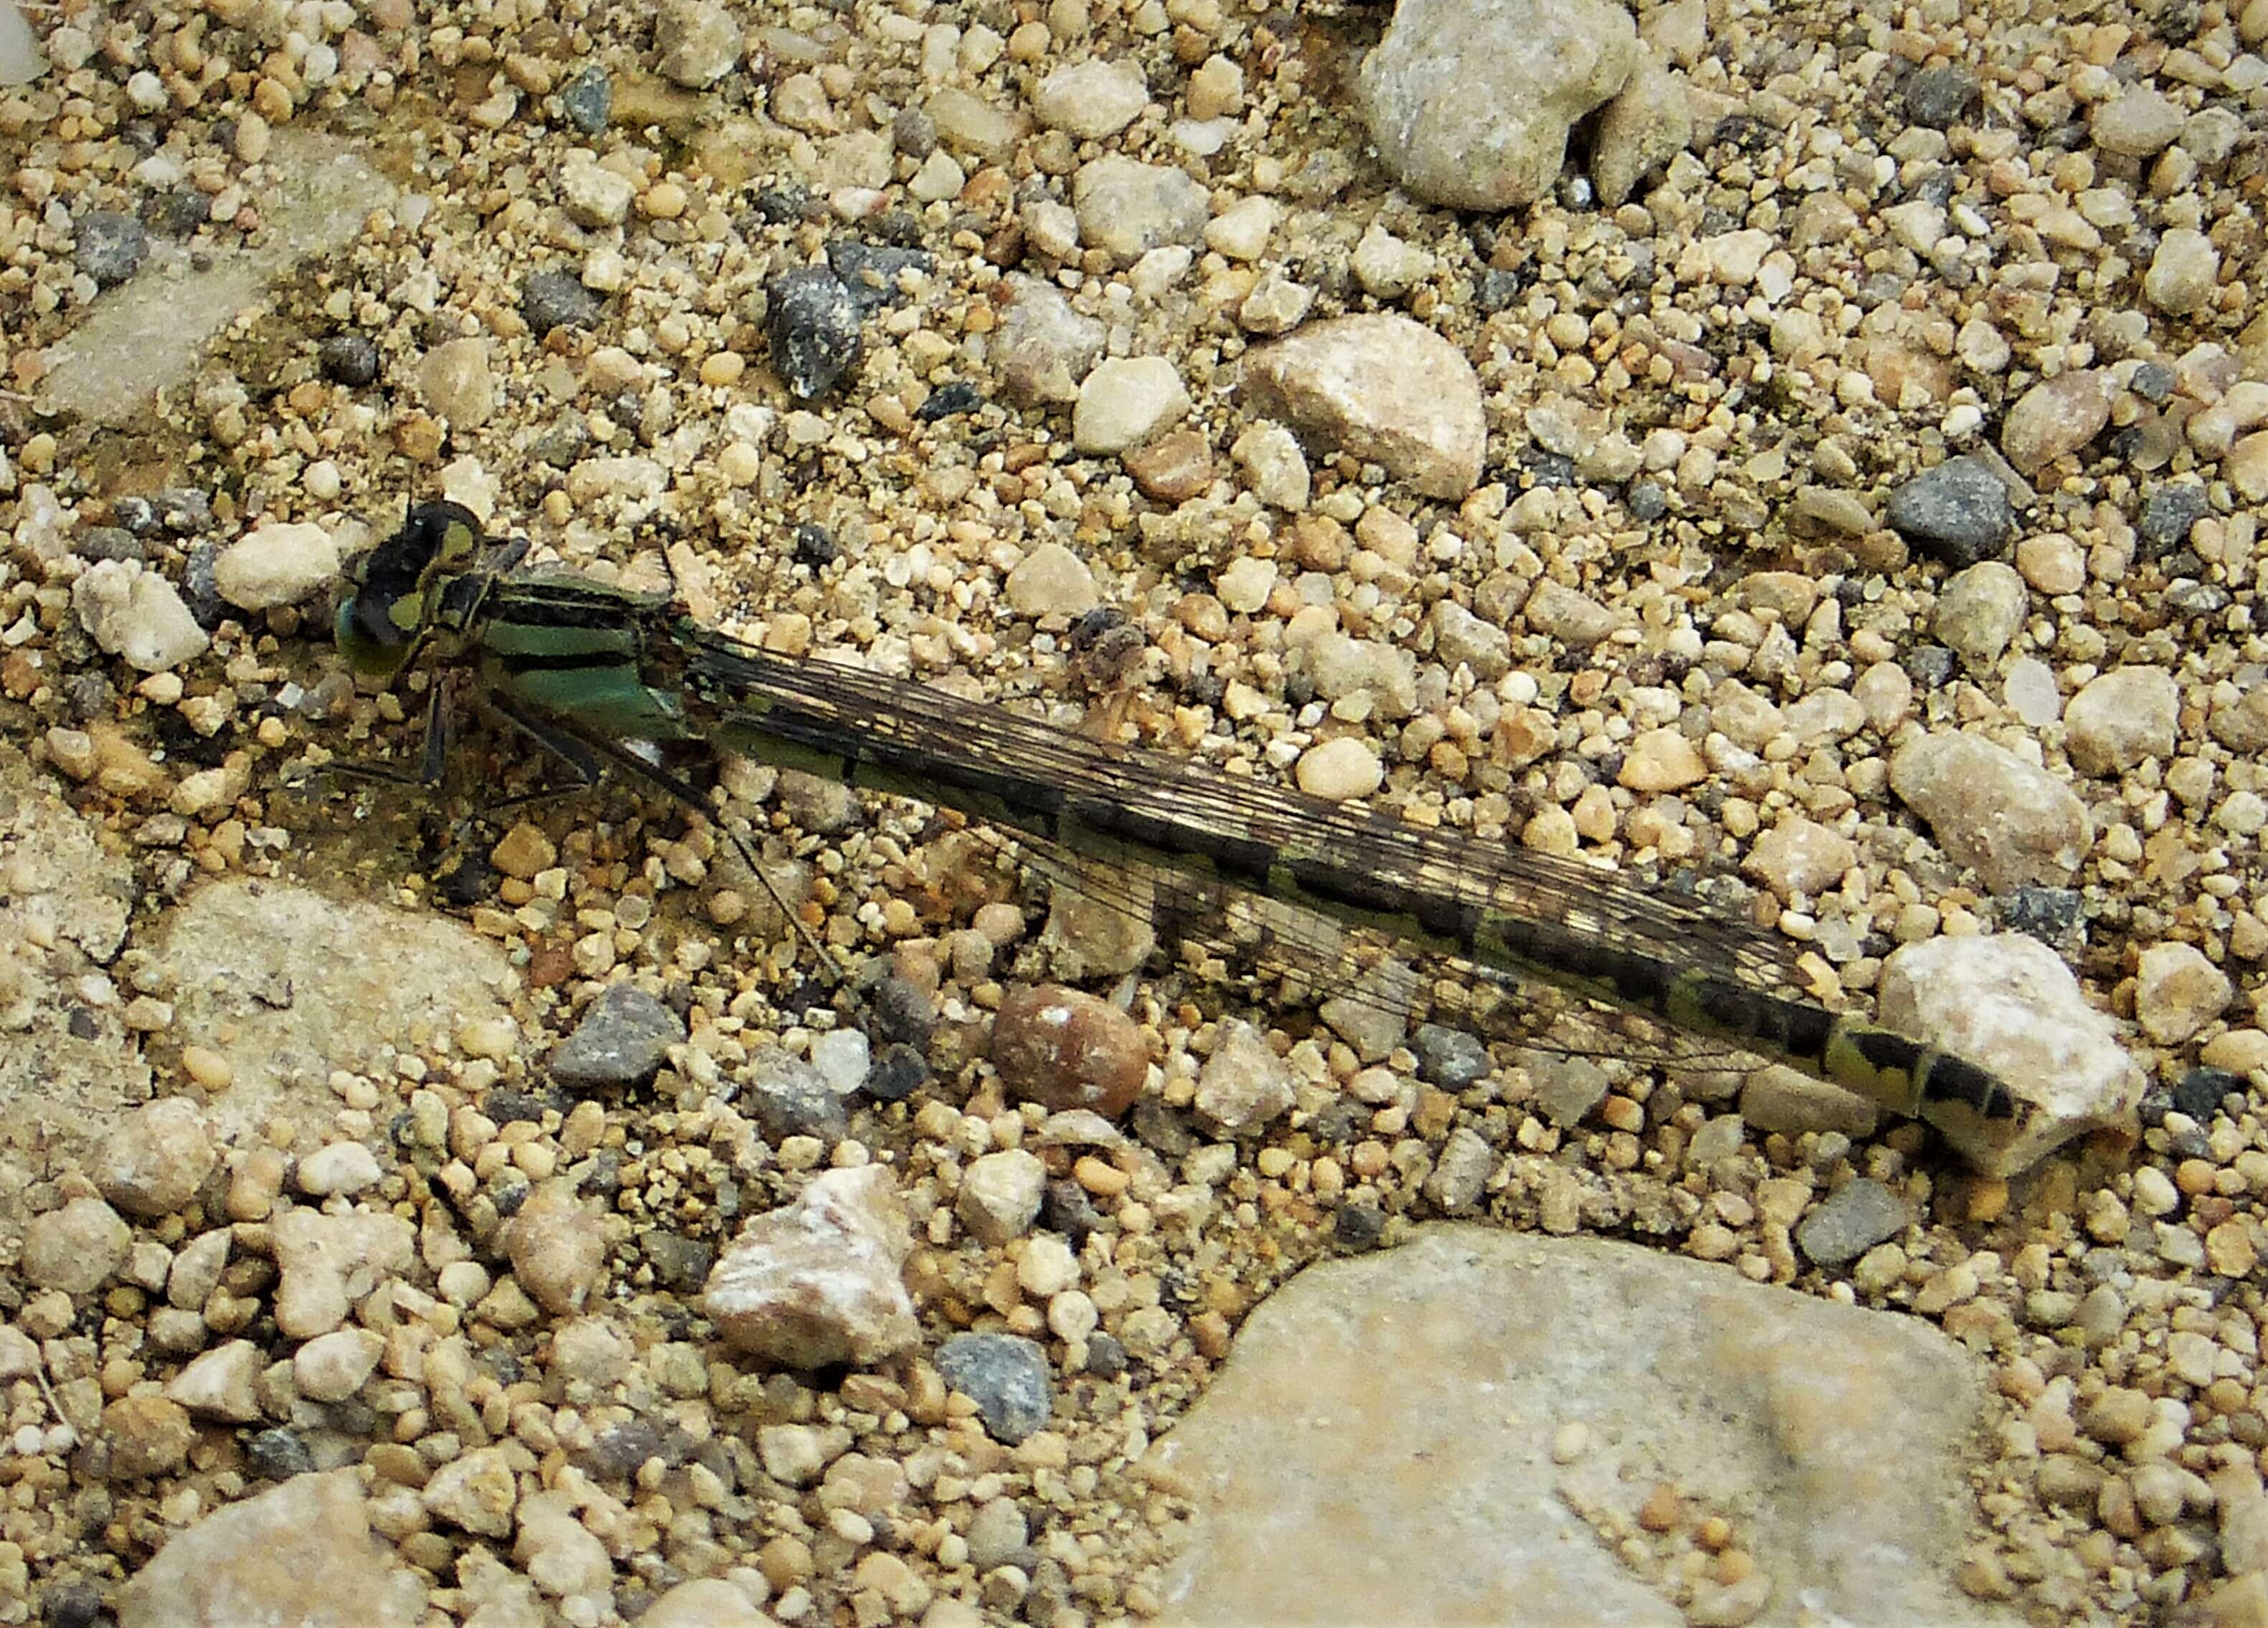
588, 100
111, 245
2169, 512
349, 359
1449, 1058
812, 323
1939, 97
1851, 1222
789, 1097
1005, 1376
550, 300
622, 1039
1958, 512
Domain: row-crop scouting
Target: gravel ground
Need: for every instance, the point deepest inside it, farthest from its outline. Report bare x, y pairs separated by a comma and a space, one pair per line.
1831, 473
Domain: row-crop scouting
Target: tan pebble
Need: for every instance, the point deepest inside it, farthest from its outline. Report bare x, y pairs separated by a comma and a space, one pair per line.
722, 368
1713, 1534
665, 200
1103, 1180
208, 1069
1213, 1335
2229, 1251
1622, 1114
523, 852
1735, 1566
1663, 1510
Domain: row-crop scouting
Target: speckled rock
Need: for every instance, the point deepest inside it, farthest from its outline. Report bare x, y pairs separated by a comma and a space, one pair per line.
1470, 101
1380, 387
817, 1281
1063, 1048
1005, 1376
300, 1553
2011, 819
622, 1039
1958, 512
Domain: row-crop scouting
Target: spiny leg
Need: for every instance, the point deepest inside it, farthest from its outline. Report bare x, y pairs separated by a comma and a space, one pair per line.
582, 754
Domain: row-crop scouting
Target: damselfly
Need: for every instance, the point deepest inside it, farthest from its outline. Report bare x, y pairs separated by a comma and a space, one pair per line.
601, 674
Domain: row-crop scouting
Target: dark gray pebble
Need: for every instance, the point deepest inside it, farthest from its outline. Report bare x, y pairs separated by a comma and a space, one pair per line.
111, 246
1449, 1058
1005, 1376
1958, 512
811, 322
550, 300
588, 100
1938, 99
349, 359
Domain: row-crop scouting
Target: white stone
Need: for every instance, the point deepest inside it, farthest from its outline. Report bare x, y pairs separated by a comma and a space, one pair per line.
279, 563
1126, 401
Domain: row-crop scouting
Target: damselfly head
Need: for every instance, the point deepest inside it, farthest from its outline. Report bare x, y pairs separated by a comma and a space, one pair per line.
398, 585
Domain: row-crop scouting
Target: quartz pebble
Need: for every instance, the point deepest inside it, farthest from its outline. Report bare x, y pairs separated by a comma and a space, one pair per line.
302, 1552
74, 1249
2014, 823
1125, 401
817, 1281
1000, 1195
1383, 388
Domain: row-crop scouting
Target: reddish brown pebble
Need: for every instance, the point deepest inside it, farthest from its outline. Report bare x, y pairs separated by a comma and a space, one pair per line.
1173, 468
1063, 1050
